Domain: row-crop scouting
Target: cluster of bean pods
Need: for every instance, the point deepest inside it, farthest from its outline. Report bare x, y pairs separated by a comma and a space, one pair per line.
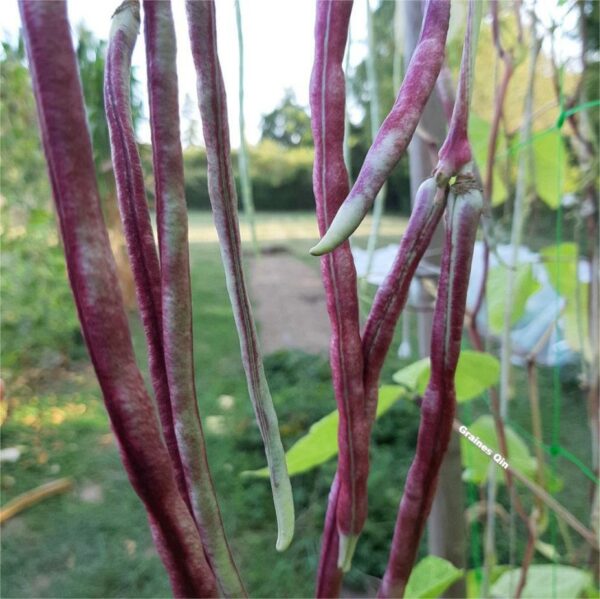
343, 212
154, 469
163, 450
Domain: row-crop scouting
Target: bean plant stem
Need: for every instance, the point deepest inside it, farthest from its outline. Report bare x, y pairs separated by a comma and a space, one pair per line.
519, 215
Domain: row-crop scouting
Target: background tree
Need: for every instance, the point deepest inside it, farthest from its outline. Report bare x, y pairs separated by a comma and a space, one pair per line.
288, 124
34, 333
30, 244
191, 126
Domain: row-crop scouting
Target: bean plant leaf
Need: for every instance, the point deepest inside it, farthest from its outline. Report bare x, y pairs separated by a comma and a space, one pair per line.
320, 443
477, 462
546, 580
561, 262
474, 579
431, 577
476, 372
412, 376
525, 285
553, 174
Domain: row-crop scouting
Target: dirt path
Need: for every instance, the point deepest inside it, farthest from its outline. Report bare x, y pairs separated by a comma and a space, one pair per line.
289, 303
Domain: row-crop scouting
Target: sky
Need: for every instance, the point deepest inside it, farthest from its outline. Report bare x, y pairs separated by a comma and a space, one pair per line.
278, 40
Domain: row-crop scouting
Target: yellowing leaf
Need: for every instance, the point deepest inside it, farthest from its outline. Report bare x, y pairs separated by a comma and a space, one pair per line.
561, 262
431, 577
477, 462
479, 133
552, 173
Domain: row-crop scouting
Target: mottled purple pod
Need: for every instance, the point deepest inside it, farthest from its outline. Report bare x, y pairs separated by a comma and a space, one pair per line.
455, 153
430, 202
465, 203
92, 274
223, 198
176, 300
397, 129
329, 574
133, 209
330, 183
391, 297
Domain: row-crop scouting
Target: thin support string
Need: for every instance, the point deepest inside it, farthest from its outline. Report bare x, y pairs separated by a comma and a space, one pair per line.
562, 117
556, 391
556, 450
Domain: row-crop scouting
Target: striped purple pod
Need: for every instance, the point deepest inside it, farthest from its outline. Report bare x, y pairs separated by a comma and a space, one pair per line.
465, 203
329, 574
430, 202
391, 297
330, 184
133, 209
176, 298
213, 110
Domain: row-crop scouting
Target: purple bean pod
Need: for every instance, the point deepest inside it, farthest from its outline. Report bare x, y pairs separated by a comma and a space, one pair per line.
329, 574
176, 295
213, 110
330, 183
465, 203
429, 205
377, 336
92, 274
397, 129
455, 152
135, 215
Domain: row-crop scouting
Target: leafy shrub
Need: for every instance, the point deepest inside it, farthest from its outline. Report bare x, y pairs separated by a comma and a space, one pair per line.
282, 178
39, 325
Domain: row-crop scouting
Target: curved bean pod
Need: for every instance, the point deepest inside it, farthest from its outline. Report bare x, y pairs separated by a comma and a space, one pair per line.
221, 187
397, 129
465, 203
456, 149
176, 299
429, 205
135, 216
93, 279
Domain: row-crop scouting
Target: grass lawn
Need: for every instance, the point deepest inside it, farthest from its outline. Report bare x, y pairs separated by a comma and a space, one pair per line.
94, 541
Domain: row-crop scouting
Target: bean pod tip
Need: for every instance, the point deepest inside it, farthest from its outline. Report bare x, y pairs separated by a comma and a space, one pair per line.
347, 546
